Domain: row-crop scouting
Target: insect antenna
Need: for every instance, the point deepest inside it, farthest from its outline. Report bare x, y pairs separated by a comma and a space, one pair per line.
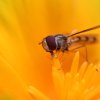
89, 29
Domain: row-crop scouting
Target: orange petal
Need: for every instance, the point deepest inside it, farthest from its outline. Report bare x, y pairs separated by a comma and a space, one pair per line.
36, 94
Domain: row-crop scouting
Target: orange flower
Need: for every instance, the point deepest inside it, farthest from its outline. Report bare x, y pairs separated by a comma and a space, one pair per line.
23, 73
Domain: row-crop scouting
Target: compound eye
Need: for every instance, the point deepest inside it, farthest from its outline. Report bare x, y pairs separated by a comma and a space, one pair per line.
45, 46
51, 43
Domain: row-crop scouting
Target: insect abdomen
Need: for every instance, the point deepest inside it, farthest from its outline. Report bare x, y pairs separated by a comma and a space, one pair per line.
89, 39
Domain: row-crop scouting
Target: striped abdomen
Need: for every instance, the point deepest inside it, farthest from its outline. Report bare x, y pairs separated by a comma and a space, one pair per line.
88, 39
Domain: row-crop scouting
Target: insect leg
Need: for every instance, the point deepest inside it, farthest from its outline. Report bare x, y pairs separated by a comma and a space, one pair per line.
52, 53
86, 52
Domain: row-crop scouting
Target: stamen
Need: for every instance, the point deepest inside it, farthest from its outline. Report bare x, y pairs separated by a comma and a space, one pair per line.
58, 78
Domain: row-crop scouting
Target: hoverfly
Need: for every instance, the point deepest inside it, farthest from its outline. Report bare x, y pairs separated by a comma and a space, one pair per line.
62, 42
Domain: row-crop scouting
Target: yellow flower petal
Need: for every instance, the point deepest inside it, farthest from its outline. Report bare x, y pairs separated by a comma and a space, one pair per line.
82, 69
80, 83
75, 64
36, 94
11, 83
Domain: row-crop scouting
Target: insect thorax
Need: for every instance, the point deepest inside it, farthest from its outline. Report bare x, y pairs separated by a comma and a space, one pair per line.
61, 42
